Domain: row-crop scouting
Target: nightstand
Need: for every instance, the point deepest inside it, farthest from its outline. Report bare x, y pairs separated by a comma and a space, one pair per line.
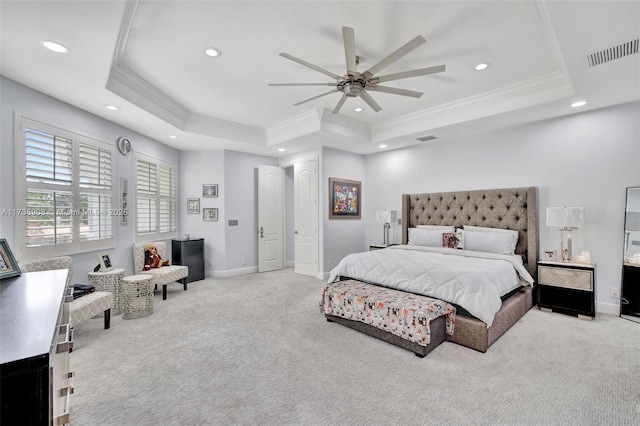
380, 246
568, 288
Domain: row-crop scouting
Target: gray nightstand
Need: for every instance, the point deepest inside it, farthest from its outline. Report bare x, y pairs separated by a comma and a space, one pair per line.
568, 288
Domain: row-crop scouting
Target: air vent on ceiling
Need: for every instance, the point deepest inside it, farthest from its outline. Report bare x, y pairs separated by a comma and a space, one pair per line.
426, 138
613, 53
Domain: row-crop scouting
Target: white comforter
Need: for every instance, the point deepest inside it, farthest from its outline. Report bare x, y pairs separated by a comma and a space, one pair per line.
472, 280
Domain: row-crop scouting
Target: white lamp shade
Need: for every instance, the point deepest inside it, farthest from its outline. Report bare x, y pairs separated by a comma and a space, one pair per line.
570, 217
385, 216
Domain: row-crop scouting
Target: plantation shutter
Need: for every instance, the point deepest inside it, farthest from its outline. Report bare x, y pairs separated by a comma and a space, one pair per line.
95, 180
167, 186
49, 201
64, 197
146, 183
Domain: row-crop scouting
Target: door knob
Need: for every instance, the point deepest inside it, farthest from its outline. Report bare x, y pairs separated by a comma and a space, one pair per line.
295, 232
261, 232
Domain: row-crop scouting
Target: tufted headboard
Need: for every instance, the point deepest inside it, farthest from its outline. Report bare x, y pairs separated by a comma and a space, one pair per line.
510, 208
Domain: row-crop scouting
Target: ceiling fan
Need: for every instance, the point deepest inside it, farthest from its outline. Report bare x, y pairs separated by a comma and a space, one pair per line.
354, 84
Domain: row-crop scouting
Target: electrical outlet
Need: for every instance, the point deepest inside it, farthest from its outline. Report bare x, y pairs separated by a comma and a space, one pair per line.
614, 292
244, 261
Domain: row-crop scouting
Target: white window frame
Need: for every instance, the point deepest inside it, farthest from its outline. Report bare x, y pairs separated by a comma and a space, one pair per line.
157, 235
76, 246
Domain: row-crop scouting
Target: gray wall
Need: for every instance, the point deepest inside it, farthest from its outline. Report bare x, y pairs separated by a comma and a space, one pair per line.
342, 236
35, 105
241, 203
585, 159
196, 169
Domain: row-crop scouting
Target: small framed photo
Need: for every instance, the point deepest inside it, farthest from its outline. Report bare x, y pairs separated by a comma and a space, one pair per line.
105, 262
8, 265
549, 255
193, 205
210, 191
210, 215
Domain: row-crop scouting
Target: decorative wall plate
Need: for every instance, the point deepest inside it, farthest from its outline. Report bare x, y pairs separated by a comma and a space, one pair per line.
124, 146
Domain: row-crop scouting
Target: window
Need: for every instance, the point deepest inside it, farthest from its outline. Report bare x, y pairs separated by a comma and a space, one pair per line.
156, 199
64, 199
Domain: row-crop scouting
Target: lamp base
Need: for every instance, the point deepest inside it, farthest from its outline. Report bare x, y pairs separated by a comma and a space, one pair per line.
385, 235
565, 250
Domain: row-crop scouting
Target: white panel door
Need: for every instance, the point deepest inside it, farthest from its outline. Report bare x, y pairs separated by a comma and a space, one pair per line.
305, 216
270, 218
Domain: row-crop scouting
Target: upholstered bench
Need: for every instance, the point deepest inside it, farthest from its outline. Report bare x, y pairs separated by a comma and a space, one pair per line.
82, 308
413, 322
163, 275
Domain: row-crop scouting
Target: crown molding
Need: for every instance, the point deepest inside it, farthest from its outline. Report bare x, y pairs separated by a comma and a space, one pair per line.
223, 129
295, 127
553, 86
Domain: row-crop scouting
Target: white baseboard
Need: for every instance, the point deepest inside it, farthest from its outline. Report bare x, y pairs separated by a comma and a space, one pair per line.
231, 272
607, 308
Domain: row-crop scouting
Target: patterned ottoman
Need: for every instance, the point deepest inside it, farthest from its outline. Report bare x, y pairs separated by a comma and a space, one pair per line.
414, 322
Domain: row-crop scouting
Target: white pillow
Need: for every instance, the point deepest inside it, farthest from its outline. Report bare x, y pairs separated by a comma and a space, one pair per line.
426, 237
437, 227
487, 229
490, 242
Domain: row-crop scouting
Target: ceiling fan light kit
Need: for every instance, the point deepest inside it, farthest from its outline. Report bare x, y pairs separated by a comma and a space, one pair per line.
354, 84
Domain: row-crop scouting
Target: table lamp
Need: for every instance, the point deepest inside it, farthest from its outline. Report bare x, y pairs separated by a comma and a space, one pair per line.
386, 217
567, 219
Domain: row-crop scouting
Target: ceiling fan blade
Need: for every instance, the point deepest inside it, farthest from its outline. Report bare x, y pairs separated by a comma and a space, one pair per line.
369, 100
339, 104
399, 53
412, 73
316, 97
395, 91
302, 84
307, 64
349, 39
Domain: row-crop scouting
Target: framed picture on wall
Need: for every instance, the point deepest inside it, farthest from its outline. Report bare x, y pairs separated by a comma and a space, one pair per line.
193, 205
210, 191
344, 199
210, 215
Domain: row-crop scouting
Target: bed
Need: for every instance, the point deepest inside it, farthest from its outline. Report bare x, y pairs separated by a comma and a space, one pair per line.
507, 209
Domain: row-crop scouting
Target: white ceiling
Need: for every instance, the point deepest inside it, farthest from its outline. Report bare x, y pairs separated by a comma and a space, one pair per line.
147, 58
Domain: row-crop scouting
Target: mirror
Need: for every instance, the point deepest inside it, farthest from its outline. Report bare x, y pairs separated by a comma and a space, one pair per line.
632, 227
630, 297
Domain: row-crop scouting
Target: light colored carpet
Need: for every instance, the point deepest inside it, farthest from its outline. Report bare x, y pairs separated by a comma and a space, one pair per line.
255, 349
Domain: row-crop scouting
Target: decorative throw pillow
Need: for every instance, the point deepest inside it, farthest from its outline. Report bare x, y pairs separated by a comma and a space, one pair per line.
453, 240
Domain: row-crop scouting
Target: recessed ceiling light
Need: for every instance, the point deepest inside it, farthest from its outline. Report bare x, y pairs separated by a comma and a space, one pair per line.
481, 67
281, 149
112, 107
382, 146
578, 104
56, 47
212, 51
358, 109
173, 137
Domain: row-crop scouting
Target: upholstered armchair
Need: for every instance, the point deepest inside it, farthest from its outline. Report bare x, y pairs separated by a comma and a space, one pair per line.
82, 308
161, 276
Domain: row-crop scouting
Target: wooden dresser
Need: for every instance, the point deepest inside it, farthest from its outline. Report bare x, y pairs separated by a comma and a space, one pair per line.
36, 382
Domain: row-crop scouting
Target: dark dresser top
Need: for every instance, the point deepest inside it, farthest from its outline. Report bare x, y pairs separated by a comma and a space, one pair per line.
29, 309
